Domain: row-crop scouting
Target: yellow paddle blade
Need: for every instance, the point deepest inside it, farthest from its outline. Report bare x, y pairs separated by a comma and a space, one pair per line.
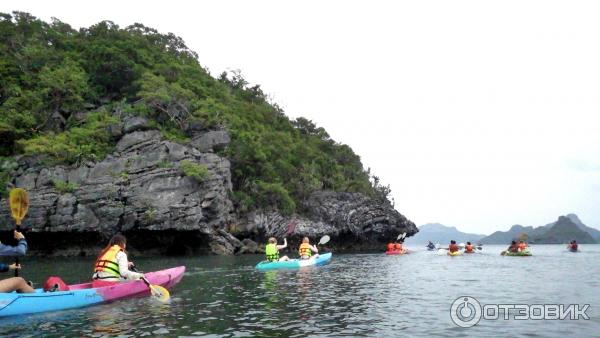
160, 293
19, 204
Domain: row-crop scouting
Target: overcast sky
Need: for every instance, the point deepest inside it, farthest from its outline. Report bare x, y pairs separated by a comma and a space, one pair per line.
479, 114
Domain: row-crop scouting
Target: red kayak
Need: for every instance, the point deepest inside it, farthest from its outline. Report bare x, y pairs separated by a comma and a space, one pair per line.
397, 252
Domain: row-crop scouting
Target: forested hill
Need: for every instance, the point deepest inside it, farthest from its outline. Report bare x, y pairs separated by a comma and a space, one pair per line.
62, 89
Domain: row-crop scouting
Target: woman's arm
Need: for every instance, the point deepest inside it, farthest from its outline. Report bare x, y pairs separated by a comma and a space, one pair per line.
9, 250
124, 267
314, 248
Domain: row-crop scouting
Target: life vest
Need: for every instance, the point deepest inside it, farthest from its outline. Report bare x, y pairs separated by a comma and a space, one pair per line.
390, 247
574, 247
305, 250
108, 262
469, 248
522, 246
453, 248
271, 252
398, 247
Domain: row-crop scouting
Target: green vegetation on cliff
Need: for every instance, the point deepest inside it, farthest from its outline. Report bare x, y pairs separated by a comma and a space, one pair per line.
62, 89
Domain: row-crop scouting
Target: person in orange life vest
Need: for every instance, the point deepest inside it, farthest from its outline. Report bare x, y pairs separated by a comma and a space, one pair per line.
112, 265
469, 248
390, 247
17, 284
306, 250
453, 247
522, 245
398, 246
573, 245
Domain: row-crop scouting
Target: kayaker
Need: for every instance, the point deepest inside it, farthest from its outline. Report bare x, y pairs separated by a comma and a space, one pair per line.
469, 248
430, 246
306, 250
453, 247
522, 245
112, 265
573, 245
398, 246
272, 250
390, 247
514, 247
17, 284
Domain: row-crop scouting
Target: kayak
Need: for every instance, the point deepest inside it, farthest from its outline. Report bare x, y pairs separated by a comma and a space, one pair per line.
397, 252
321, 259
455, 253
81, 295
520, 253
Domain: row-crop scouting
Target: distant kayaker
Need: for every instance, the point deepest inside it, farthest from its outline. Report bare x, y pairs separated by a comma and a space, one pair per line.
272, 250
398, 246
522, 245
573, 245
112, 265
514, 247
306, 250
469, 248
17, 284
390, 247
453, 247
430, 245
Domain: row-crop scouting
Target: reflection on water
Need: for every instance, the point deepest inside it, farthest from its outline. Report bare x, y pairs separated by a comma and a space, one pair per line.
355, 295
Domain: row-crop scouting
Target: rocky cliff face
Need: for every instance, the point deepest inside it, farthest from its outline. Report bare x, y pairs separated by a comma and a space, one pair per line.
141, 190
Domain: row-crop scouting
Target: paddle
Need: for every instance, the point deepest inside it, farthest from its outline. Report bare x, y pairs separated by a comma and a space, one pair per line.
158, 292
19, 205
324, 240
401, 236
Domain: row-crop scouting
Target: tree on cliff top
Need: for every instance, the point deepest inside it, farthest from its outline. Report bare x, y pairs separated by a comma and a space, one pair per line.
60, 89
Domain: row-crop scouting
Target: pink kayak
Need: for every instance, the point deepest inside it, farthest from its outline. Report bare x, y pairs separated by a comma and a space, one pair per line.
80, 295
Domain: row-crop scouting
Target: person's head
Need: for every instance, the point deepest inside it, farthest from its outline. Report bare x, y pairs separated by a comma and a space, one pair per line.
119, 240
305, 240
513, 242
574, 242
468, 243
452, 242
272, 240
521, 241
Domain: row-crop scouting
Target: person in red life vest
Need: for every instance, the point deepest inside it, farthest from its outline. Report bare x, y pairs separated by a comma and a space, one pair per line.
112, 265
398, 246
573, 245
453, 247
390, 247
522, 245
17, 284
306, 250
469, 248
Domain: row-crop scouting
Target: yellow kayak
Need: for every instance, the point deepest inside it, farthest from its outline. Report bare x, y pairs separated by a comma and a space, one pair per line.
455, 253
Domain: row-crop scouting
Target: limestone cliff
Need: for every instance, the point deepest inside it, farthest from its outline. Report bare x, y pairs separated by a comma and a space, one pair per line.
141, 190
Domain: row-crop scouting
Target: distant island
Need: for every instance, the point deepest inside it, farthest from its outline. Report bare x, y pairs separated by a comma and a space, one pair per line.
563, 230
439, 233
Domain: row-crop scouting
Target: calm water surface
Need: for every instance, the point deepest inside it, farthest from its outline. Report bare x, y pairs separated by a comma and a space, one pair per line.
356, 295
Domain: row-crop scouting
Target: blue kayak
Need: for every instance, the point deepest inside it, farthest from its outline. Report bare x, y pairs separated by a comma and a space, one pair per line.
322, 259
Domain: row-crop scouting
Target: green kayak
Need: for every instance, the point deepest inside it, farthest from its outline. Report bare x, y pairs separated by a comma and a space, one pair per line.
520, 253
